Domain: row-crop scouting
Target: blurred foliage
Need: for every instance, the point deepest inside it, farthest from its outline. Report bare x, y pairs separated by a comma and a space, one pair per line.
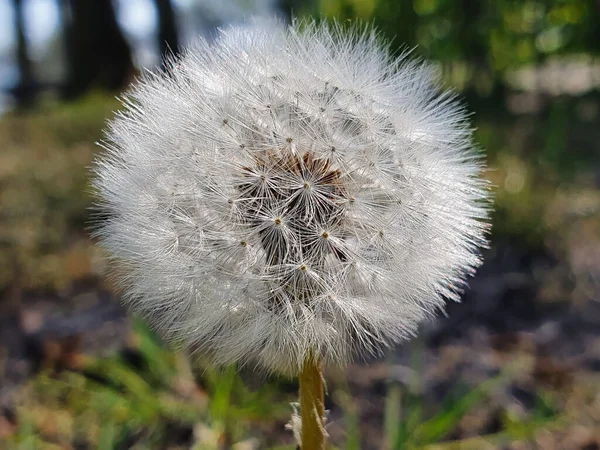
477, 41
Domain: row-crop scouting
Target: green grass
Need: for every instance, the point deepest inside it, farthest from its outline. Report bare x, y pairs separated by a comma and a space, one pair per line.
408, 425
122, 401
152, 398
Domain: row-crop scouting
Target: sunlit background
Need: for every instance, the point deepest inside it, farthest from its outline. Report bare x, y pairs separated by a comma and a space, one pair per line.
138, 19
516, 365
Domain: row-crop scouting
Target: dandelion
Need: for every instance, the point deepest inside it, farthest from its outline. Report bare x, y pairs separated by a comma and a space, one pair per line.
289, 197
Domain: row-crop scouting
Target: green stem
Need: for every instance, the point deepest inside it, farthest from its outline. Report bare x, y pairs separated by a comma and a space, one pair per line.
312, 408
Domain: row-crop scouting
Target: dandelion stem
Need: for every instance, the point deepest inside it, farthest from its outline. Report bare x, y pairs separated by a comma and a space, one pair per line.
312, 408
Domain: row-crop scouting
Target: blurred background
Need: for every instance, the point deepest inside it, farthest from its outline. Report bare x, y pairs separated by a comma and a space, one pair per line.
516, 365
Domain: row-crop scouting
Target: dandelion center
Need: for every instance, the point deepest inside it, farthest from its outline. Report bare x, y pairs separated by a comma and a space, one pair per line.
313, 204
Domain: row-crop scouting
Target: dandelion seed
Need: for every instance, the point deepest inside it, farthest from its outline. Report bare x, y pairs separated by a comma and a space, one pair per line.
291, 191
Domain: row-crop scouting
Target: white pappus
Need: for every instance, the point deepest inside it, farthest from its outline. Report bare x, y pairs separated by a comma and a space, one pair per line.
290, 189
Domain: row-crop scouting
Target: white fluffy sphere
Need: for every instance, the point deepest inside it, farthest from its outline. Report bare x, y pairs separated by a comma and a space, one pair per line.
287, 190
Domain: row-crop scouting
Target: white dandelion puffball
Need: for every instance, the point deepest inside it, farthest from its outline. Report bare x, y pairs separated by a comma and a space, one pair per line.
290, 190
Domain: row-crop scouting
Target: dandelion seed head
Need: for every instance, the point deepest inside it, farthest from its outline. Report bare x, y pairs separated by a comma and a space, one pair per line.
286, 190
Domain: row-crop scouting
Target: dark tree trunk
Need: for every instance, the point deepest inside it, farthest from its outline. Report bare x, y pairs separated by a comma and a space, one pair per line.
97, 52
24, 91
168, 39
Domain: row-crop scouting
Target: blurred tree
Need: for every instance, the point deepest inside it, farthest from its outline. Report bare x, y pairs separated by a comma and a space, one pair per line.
24, 91
97, 52
477, 41
168, 39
